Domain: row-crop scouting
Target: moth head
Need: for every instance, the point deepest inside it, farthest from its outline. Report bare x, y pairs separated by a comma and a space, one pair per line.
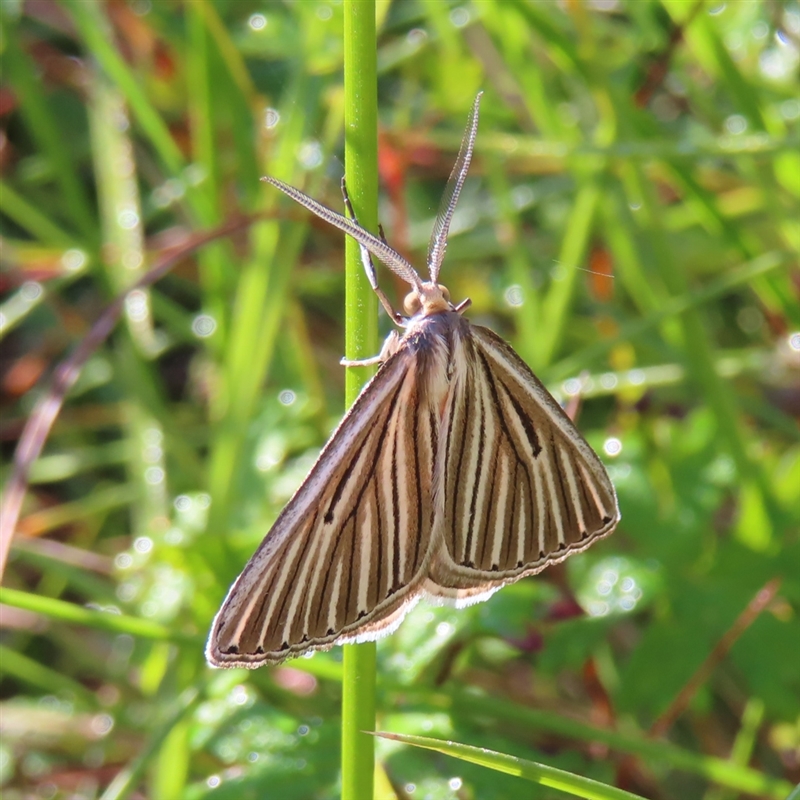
429, 298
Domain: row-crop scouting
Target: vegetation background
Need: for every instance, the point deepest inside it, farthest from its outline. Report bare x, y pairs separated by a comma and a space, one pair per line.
630, 226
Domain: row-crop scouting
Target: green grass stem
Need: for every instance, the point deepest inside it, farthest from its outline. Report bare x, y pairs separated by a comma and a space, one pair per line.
542, 774
361, 340
45, 128
125, 781
91, 618
475, 705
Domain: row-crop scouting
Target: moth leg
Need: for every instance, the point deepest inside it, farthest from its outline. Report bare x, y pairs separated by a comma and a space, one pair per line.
389, 348
366, 260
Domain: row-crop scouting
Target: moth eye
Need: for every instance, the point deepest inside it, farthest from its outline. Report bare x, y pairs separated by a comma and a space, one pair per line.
445, 292
412, 304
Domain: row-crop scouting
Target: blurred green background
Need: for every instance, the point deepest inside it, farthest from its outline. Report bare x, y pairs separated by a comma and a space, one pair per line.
630, 225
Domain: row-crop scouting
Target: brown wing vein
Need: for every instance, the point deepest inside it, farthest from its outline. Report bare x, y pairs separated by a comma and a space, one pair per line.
377, 450
475, 489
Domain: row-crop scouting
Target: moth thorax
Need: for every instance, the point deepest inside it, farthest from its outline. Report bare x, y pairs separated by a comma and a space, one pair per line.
433, 298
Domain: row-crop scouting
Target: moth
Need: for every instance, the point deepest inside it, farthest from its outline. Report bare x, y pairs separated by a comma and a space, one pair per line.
454, 473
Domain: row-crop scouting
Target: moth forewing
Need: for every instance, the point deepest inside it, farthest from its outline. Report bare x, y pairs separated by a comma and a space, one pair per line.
322, 571
454, 473
522, 488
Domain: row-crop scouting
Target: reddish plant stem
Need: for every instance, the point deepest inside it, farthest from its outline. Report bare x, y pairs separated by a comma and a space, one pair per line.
44, 414
762, 599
